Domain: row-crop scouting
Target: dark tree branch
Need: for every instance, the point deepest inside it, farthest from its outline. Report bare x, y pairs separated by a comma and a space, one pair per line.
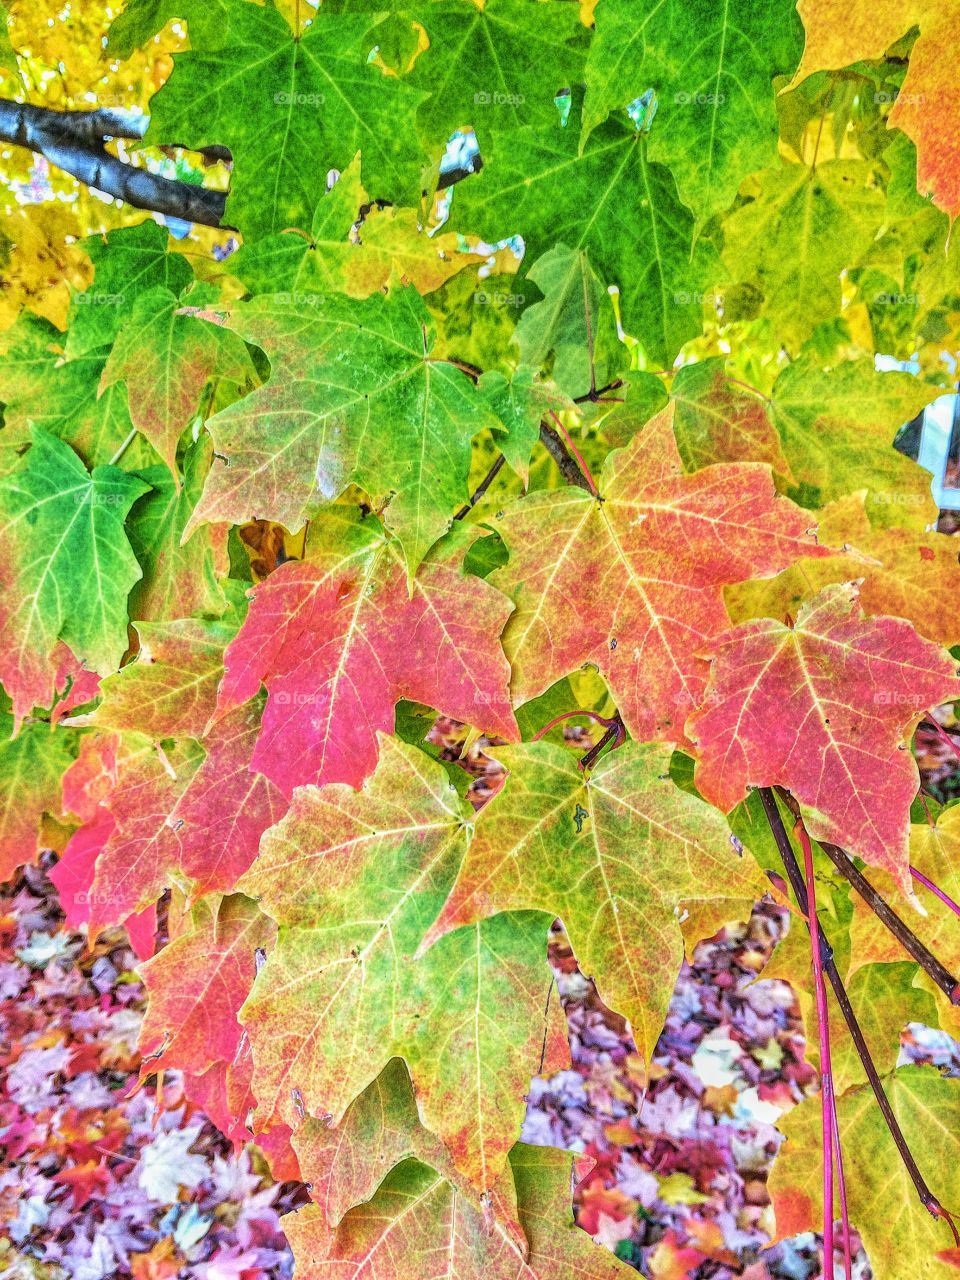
74, 141
795, 876
945, 980
551, 441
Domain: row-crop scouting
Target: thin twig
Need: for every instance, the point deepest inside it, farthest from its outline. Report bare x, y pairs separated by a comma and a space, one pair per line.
616, 731
596, 395
481, 488
926, 1196
568, 441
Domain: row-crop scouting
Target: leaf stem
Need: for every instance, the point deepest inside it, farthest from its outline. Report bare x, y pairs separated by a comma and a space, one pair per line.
828, 1118
947, 737
925, 1195
617, 730
124, 447
934, 888
567, 715
565, 434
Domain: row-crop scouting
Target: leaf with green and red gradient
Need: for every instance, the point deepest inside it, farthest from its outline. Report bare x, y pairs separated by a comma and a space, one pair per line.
170, 690
354, 396
824, 707
717, 419
31, 767
613, 854
198, 982
66, 571
633, 583
418, 1224
355, 880
166, 359
338, 640
201, 828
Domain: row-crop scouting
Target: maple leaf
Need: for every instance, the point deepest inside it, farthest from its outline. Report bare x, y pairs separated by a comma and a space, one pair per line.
801, 231
317, 94
373, 870
573, 329
632, 583
837, 427
354, 396
338, 640
521, 402
381, 1128
68, 567
170, 690
927, 107
204, 823
31, 765
899, 1235
127, 263
901, 572
418, 1220
634, 847
198, 982
717, 421
179, 578
822, 708
608, 200
41, 389
166, 358
713, 76
493, 67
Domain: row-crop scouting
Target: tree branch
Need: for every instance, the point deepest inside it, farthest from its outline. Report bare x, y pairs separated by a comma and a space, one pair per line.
795, 876
74, 141
557, 450
938, 972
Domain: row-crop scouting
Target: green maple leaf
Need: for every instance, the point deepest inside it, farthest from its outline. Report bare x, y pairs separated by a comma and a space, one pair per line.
179, 579
712, 68
837, 428
801, 230
607, 199
295, 264
40, 388
354, 396
498, 67
318, 99
69, 566
573, 331
374, 868
126, 263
